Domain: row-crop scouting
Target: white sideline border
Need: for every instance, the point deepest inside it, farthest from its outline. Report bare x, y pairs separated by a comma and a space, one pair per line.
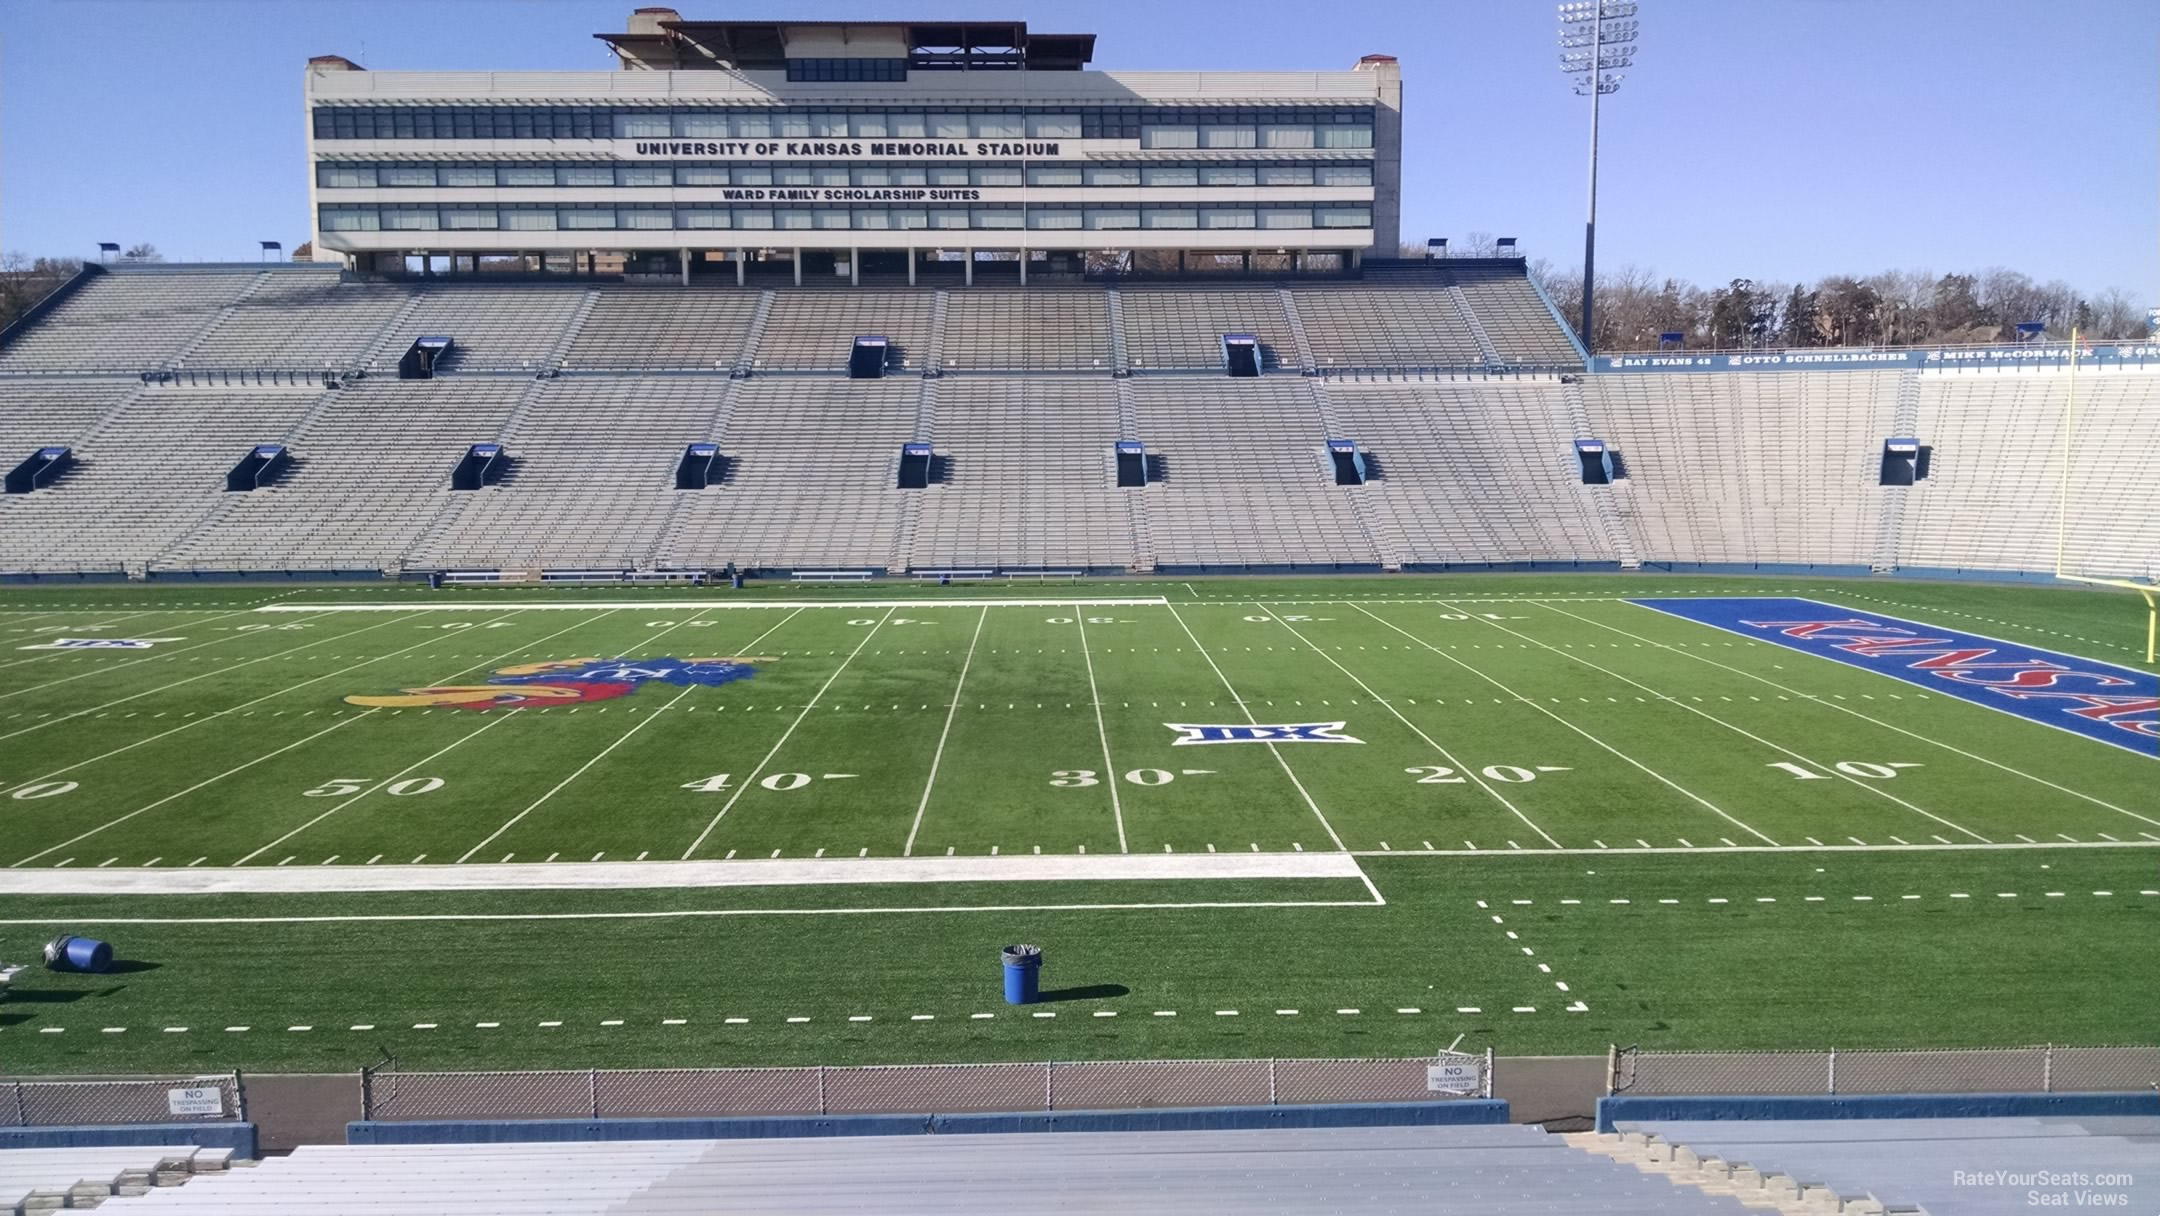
1129, 601
682, 875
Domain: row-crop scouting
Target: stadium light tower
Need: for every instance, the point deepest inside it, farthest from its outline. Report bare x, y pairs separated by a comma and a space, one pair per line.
1596, 37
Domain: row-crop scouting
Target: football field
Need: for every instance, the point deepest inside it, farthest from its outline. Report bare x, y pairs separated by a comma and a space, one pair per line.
315, 774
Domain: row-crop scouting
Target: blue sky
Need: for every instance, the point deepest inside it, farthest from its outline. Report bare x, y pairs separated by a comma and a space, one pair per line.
1777, 139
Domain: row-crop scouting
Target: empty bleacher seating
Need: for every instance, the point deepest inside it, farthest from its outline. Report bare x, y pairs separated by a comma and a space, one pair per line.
1246, 479
1448, 375
1472, 472
149, 472
1995, 482
1029, 481
1439, 1171
1773, 468
1181, 328
814, 329
1043, 329
128, 320
663, 329
1396, 327
372, 470
593, 482
299, 320
810, 482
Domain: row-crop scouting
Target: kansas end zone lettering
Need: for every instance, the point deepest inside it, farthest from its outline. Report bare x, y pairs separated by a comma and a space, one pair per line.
2117, 705
816, 149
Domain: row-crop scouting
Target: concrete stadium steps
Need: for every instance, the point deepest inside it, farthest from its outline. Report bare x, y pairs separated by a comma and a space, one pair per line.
814, 330
45, 1179
1770, 468
128, 320
495, 328
592, 483
1038, 329
1994, 496
1245, 479
1434, 1171
298, 322
370, 472
1030, 477
663, 328
37, 413
1181, 328
1473, 471
811, 482
1872, 1166
150, 471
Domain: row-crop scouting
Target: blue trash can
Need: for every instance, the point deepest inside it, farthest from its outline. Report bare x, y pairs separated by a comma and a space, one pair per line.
69, 953
1023, 974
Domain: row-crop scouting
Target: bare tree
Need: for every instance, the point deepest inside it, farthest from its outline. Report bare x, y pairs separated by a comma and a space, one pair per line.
143, 252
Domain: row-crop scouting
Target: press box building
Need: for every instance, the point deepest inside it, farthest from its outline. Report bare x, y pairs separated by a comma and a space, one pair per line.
738, 148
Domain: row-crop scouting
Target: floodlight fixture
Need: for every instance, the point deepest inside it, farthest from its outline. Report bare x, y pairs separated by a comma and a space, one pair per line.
1597, 39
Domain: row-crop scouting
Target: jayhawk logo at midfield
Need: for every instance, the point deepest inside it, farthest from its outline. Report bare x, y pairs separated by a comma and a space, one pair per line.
569, 682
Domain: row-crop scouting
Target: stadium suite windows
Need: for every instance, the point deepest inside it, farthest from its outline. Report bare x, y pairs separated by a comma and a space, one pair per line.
956, 216
512, 176
858, 128
1154, 126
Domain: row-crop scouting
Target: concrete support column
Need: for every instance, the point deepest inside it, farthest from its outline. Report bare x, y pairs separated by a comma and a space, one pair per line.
686, 268
854, 267
742, 263
798, 268
1023, 267
913, 255
967, 269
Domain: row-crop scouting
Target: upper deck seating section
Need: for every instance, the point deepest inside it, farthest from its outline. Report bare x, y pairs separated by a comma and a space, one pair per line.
125, 320
663, 329
813, 330
494, 328
1181, 329
299, 322
1039, 329
1389, 327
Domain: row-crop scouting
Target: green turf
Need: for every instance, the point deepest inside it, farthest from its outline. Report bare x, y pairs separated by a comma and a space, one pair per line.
1497, 714
1882, 972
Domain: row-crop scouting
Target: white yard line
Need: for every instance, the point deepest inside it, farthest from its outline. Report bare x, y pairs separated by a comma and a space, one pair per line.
619, 741
938, 756
212, 717
1738, 730
1991, 846
491, 724
789, 732
94, 626
215, 671
2101, 802
132, 662
1705, 803
674, 875
709, 912
338, 725
1126, 601
1117, 809
580, 771
1273, 750
1446, 755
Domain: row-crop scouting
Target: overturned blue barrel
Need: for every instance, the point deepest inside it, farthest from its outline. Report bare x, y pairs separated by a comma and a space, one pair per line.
1023, 974
69, 953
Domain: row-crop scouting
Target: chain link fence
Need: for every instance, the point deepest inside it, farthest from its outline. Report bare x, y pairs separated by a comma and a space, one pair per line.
894, 1089
2046, 1069
35, 1102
